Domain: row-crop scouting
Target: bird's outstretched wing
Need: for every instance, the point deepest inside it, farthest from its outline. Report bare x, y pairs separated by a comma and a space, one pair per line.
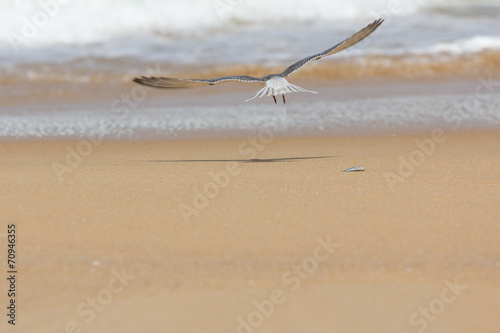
354, 39
172, 83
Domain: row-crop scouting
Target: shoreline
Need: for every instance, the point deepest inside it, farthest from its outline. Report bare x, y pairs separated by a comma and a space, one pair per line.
342, 109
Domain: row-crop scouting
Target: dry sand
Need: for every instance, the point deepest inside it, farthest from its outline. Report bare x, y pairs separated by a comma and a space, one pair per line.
420, 255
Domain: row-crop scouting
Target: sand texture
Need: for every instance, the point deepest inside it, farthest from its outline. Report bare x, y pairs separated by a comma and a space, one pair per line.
190, 236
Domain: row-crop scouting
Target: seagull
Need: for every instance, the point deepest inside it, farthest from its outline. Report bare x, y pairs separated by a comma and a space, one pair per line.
274, 84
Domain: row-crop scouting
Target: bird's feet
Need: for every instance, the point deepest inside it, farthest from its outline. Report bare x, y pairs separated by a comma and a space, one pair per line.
276, 102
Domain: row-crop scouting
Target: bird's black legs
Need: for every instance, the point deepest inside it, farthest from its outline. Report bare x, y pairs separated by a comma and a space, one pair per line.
276, 102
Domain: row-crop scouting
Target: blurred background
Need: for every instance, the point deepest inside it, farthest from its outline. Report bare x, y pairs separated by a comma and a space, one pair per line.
95, 40
81, 55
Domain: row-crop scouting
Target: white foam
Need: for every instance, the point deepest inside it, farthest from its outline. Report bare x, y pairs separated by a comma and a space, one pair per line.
352, 117
463, 46
196, 33
90, 21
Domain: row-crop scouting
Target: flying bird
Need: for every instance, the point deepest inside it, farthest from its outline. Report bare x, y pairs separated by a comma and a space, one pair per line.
274, 84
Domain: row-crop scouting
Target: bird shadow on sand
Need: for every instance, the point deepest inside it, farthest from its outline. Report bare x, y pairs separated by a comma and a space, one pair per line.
253, 160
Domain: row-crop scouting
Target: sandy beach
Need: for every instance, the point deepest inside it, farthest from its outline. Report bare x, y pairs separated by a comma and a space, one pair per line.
192, 236
126, 208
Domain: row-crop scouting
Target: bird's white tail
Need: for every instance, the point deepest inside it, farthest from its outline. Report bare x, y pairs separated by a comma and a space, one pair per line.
271, 89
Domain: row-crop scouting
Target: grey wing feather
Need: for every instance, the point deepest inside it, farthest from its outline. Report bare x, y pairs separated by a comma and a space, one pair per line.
173, 83
354, 39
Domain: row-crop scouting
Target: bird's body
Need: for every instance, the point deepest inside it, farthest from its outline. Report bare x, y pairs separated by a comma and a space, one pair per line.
274, 84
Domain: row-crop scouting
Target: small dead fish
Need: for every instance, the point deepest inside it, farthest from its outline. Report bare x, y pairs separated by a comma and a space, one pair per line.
355, 169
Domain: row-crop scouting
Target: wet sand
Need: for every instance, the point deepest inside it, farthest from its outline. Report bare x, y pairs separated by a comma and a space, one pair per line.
191, 236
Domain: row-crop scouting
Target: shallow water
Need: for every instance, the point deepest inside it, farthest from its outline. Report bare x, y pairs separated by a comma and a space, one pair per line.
375, 109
